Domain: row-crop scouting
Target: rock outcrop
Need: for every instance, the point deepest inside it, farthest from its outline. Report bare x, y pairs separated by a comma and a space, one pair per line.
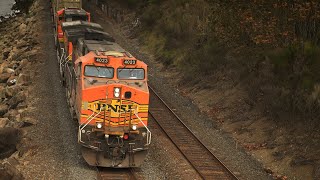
20, 49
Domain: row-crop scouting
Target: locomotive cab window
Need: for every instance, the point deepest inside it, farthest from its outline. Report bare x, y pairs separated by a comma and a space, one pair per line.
98, 71
130, 73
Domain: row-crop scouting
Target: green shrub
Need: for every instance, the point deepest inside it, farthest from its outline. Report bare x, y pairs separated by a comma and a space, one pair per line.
203, 60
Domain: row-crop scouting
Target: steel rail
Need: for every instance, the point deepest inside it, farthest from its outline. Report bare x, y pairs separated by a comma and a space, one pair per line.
191, 147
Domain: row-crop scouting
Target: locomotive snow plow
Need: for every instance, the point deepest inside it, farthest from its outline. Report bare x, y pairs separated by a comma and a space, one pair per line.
108, 94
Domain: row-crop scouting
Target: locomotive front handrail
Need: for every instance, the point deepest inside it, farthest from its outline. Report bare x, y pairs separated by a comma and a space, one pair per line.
148, 131
86, 123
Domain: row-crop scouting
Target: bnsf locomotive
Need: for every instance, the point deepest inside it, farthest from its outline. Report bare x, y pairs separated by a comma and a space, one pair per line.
108, 94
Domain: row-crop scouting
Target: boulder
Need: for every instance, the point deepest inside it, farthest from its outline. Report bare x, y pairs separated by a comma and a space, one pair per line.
30, 20
13, 160
22, 147
17, 118
11, 91
13, 64
21, 124
3, 66
2, 92
18, 56
22, 43
3, 109
5, 53
23, 79
4, 77
22, 111
30, 55
23, 63
13, 53
29, 120
9, 137
13, 172
17, 71
15, 100
22, 29
12, 80
3, 122
22, 105
4, 174
11, 114
9, 70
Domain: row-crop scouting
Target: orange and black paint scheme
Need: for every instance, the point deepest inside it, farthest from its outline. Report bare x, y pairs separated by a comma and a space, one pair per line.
108, 94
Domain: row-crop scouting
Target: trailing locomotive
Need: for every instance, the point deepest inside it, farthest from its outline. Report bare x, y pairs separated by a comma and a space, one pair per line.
60, 4
68, 15
67, 11
108, 94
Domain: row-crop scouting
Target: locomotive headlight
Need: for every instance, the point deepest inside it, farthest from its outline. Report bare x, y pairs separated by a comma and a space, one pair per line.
99, 125
116, 92
134, 127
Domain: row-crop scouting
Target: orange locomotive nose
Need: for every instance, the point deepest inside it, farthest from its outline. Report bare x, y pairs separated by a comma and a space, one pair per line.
121, 103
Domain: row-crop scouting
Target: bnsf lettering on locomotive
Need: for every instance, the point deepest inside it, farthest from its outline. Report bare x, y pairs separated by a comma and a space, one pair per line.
102, 60
129, 62
115, 108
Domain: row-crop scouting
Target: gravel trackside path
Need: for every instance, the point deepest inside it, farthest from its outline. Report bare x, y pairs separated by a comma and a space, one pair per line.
54, 153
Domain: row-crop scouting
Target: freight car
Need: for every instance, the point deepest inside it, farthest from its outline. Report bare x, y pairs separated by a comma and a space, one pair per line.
108, 94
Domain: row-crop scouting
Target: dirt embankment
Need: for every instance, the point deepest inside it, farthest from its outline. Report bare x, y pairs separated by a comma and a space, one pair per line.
19, 55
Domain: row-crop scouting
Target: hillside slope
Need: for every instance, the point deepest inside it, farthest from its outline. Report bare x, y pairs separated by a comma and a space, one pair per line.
252, 66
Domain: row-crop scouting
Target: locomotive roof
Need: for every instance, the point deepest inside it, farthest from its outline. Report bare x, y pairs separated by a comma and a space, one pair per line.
73, 12
103, 46
82, 29
80, 24
88, 34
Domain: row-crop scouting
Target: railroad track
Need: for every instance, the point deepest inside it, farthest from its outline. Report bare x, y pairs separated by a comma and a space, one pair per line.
115, 174
199, 156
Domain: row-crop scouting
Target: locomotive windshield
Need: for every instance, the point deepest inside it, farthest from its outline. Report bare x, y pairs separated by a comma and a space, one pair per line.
131, 73
99, 71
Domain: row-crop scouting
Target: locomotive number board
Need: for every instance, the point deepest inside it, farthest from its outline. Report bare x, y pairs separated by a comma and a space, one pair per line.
129, 62
101, 60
